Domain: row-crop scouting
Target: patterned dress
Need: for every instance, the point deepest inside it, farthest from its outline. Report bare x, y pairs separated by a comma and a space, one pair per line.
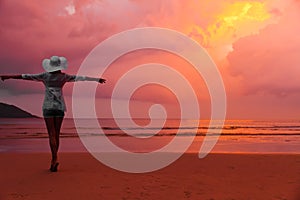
54, 83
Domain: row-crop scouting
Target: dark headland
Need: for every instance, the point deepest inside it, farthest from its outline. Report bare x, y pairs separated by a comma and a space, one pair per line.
11, 111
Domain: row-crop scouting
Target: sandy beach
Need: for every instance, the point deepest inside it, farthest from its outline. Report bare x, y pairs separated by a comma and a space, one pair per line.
218, 176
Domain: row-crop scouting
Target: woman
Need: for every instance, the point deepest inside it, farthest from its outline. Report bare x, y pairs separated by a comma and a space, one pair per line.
54, 105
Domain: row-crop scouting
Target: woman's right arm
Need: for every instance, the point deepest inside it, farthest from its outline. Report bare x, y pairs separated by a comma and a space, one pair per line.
4, 77
72, 78
100, 80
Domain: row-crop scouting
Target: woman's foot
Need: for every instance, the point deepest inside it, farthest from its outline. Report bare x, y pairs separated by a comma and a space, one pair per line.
53, 167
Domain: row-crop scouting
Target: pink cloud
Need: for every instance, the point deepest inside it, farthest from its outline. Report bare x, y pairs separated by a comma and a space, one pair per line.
269, 61
33, 30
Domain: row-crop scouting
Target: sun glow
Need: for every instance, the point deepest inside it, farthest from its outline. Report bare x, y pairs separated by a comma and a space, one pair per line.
236, 20
243, 12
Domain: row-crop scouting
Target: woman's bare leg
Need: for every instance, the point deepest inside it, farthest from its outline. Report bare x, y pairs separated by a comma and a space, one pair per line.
50, 123
57, 123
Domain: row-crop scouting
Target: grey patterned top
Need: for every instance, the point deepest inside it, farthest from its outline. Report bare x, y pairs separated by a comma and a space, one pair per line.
54, 83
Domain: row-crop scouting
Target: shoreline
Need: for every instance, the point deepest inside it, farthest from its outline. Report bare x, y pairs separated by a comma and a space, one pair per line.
217, 176
72, 144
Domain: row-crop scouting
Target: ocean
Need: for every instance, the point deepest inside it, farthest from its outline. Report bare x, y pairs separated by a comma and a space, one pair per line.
237, 136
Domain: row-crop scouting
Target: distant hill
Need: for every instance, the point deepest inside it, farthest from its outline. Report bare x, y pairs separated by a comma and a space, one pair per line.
11, 111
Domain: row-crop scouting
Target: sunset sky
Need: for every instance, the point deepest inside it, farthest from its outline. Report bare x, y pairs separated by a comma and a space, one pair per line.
255, 44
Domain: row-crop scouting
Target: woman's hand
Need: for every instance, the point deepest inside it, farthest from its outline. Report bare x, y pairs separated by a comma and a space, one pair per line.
101, 80
3, 78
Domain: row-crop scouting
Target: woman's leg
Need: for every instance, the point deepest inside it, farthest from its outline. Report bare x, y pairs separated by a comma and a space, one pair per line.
50, 123
57, 124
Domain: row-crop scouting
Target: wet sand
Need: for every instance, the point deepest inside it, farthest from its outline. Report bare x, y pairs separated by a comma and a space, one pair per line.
217, 176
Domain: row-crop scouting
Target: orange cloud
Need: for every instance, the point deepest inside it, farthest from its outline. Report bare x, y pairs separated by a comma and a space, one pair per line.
269, 61
33, 30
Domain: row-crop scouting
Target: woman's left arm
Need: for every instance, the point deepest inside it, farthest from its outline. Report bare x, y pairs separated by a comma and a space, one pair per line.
30, 77
5, 77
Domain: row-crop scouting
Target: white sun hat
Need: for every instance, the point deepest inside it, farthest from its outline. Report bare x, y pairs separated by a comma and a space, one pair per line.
55, 63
